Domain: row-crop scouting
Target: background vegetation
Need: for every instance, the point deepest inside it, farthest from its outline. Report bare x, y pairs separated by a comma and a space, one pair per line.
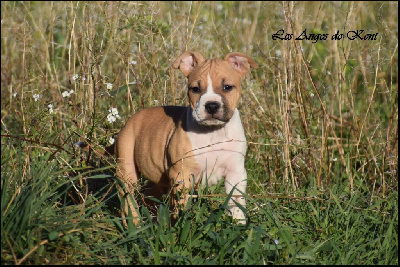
321, 119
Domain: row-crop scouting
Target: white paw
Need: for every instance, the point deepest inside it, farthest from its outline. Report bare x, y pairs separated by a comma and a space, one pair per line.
238, 214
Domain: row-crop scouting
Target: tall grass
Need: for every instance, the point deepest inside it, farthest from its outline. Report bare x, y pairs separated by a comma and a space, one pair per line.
321, 120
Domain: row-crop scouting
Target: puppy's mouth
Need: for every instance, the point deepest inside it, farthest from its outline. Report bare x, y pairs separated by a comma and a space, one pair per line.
219, 118
212, 122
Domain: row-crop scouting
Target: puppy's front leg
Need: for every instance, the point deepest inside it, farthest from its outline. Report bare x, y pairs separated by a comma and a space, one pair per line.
238, 179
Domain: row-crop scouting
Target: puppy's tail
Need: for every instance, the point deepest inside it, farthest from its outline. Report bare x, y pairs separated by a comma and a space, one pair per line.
101, 152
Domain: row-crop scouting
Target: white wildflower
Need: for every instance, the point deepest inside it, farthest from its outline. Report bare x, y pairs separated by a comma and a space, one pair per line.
133, 62
71, 92
113, 115
334, 159
36, 97
15, 94
83, 78
328, 72
111, 140
113, 111
75, 77
109, 86
276, 241
278, 53
65, 94
50, 106
111, 118
312, 94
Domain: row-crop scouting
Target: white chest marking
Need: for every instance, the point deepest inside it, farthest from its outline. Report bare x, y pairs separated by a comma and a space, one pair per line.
220, 152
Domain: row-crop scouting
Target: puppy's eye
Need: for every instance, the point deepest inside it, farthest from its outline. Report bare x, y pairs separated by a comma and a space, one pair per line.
195, 89
227, 87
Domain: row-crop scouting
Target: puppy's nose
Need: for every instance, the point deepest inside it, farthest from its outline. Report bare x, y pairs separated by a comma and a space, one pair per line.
212, 107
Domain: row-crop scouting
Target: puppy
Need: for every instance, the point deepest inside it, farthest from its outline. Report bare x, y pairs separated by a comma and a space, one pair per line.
178, 147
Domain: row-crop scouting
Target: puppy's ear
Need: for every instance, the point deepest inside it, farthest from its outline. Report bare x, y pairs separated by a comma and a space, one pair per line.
187, 62
240, 62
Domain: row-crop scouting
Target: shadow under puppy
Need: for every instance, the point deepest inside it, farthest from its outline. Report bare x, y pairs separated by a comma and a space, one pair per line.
205, 141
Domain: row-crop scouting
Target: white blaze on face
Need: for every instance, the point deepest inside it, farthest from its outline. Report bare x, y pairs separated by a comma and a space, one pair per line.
210, 94
200, 113
210, 89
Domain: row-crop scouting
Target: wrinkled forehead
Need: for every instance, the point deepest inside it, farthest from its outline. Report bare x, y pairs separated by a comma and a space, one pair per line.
218, 70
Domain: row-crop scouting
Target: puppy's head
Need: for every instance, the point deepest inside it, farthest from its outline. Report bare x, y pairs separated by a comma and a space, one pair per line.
213, 85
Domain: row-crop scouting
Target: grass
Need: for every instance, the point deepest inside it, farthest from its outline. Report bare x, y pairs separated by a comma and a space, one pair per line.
321, 119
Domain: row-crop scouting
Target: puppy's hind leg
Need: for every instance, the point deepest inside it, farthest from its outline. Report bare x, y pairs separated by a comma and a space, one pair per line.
129, 206
180, 188
128, 174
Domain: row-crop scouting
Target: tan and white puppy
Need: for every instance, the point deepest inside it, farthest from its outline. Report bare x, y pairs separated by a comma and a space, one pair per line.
205, 141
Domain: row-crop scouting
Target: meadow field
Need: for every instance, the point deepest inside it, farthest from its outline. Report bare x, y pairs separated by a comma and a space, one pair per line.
320, 115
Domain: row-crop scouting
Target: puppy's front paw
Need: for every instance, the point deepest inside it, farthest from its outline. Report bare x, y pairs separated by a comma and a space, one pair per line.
238, 214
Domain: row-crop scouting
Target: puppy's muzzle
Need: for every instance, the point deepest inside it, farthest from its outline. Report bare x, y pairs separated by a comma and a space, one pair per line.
212, 107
